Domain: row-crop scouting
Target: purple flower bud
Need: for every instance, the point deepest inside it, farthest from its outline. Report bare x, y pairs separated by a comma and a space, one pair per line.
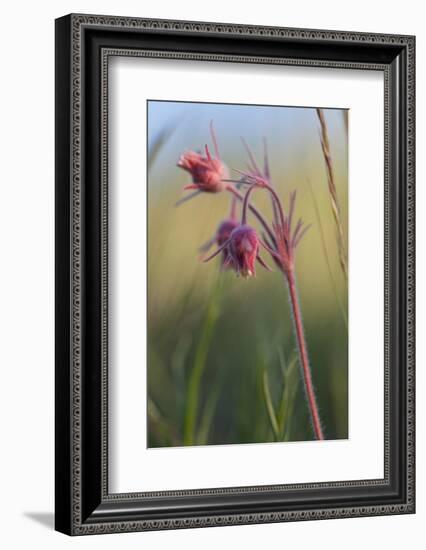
222, 236
224, 231
240, 251
243, 249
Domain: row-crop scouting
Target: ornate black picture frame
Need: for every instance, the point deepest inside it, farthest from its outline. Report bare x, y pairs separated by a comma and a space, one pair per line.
83, 45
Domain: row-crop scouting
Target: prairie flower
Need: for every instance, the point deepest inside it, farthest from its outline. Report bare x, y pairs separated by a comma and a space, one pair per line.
242, 251
208, 173
221, 237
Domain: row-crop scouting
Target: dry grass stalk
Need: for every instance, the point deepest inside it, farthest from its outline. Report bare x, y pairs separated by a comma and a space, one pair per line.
325, 144
327, 257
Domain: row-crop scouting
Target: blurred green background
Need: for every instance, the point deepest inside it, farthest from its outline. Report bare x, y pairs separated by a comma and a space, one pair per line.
222, 358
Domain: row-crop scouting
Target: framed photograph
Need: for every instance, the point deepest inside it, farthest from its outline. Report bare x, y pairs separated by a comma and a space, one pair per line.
234, 274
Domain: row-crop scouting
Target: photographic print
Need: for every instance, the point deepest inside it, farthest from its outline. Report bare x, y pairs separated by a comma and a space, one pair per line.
247, 274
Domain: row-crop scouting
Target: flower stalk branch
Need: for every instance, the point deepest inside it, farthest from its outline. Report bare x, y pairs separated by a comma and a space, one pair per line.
231, 188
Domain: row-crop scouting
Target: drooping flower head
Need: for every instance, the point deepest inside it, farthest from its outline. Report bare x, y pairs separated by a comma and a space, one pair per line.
221, 238
240, 251
243, 249
223, 234
224, 231
208, 173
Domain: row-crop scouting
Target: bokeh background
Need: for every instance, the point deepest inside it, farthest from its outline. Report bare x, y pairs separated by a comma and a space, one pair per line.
222, 360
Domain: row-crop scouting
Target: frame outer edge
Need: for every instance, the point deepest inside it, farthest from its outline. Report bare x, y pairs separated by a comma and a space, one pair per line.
77, 23
63, 496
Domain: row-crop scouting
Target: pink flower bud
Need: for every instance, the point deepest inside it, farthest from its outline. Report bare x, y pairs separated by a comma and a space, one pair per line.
222, 236
243, 249
207, 172
240, 251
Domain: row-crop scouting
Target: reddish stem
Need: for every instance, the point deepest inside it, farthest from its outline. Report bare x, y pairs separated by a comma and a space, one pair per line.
303, 355
277, 203
275, 200
297, 316
245, 204
255, 211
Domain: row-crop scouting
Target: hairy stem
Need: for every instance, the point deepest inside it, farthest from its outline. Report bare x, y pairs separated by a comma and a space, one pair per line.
245, 205
255, 211
278, 204
303, 356
275, 199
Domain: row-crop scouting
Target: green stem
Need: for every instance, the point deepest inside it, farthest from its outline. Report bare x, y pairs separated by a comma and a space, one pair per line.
284, 416
269, 406
193, 389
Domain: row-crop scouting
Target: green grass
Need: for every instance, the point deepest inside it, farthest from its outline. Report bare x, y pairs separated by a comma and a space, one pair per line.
196, 373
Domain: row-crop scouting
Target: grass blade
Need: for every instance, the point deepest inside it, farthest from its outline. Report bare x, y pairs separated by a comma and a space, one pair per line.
159, 424
193, 388
207, 417
160, 140
288, 397
269, 405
